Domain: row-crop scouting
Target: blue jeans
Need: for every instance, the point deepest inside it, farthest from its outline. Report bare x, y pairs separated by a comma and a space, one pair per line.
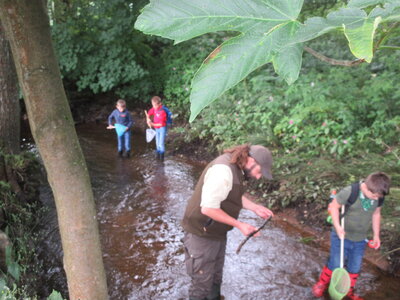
160, 139
124, 139
353, 254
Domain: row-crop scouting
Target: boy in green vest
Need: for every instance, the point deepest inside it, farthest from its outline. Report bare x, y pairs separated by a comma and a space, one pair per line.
213, 210
358, 218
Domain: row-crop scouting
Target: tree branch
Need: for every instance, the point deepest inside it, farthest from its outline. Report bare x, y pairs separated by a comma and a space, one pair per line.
332, 61
390, 47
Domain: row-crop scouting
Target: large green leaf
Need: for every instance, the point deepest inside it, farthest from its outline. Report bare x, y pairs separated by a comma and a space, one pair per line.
269, 32
236, 58
182, 20
390, 12
266, 28
287, 62
361, 38
358, 27
366, 3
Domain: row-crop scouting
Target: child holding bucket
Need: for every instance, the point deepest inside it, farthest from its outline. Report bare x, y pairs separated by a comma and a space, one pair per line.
122, 122
358, 218
159, 122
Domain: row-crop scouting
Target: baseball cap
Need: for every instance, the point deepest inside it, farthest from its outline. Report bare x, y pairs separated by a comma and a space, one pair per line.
263, 157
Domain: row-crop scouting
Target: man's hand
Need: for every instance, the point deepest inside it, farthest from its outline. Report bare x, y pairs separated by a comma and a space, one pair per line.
263, 212
258, 209
110, 127
247, 229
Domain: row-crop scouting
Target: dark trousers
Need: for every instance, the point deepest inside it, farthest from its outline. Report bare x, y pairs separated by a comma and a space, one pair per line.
204, 260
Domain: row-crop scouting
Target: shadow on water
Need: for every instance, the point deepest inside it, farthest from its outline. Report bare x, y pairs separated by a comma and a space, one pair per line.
140, 203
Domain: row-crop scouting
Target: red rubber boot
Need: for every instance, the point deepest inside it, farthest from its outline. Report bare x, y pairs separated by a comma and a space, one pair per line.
323, 283
353, 281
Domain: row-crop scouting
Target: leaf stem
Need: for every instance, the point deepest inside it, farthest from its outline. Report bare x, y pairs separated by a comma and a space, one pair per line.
390, 47
332, 61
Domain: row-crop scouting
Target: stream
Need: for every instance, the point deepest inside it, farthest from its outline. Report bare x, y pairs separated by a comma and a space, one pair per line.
140, 202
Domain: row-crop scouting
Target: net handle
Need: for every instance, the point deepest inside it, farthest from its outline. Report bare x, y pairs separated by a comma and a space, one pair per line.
342, 241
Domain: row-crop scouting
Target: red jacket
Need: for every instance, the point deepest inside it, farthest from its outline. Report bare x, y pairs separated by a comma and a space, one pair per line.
160, 116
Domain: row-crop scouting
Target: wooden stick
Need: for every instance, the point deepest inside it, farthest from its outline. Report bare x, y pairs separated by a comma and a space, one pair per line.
251, 234
147, 118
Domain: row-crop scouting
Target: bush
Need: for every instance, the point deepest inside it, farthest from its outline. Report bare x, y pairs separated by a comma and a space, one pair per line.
329, 110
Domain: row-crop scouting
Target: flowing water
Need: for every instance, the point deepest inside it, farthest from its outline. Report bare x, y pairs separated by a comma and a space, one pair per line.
140, 203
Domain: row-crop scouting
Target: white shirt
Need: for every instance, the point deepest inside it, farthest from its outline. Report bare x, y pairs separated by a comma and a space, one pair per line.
218, 183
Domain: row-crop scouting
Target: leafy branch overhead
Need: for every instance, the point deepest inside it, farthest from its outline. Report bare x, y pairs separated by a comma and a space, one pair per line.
269, 31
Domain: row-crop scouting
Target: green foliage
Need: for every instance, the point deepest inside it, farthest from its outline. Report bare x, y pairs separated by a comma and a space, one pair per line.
6, 293
98, 49
329, 110
12, 266
302, 182
55, 296
21, 214
391, 210
270, 31
181, 63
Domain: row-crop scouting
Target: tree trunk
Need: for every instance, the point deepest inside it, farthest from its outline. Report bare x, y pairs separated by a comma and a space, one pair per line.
27, 27
9, 103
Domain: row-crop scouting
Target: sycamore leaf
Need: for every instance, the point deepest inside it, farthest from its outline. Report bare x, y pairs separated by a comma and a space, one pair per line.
181, 20
236, 58
287, 62
268, 32
390, 12
359, 28
361, 39
266, 27
366, 3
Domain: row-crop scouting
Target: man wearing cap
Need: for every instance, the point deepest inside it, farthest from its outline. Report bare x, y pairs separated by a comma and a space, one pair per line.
213, 210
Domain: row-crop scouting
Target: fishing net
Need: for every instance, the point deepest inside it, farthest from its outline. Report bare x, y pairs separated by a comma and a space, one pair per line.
150, 134
120, 129
340, 284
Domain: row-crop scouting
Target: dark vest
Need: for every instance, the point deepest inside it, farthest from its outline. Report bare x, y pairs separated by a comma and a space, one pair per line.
197, 223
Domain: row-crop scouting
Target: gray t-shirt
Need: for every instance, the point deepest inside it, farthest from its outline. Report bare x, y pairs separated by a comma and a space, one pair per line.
358, 220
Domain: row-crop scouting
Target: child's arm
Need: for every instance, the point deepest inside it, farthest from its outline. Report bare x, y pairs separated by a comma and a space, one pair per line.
110, 117
130, 121
335, 213
376, 227
148, 120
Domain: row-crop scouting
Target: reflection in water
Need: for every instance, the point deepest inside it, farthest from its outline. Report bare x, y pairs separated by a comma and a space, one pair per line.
140, 203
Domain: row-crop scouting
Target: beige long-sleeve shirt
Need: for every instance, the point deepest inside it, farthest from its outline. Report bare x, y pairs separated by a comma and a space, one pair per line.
218, 183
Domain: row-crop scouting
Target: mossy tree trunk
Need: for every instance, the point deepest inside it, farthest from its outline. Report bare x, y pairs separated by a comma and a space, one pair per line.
9, 104
27, 27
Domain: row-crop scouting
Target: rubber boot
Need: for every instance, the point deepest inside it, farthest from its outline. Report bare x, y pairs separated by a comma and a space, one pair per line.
215, 293
353, 281
162, 156
322, 285
128, 153
157, 154
120, 153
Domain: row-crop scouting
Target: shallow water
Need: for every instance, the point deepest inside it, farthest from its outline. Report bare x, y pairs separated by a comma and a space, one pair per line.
140, 203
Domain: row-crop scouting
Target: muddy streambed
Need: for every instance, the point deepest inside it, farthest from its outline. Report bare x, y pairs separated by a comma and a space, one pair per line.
140, 203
